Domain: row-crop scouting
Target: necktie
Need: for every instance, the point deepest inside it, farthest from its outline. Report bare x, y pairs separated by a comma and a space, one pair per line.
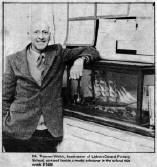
40, 66
40, 62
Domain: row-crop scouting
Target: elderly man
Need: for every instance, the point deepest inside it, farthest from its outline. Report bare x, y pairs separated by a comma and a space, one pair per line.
32, 83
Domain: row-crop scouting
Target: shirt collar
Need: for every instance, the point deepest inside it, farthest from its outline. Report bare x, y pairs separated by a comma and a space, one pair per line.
35, 54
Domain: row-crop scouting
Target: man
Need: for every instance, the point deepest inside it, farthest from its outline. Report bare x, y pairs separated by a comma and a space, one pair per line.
32, 83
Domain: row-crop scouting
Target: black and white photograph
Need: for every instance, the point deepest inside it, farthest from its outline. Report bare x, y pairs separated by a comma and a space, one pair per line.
78, 83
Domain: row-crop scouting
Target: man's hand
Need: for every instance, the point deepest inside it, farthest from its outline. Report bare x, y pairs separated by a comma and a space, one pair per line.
77, 68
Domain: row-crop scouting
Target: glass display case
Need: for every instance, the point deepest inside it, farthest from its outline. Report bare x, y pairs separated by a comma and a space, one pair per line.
111, 90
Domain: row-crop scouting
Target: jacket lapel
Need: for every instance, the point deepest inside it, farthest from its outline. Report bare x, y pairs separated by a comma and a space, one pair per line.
22, 64
50, 56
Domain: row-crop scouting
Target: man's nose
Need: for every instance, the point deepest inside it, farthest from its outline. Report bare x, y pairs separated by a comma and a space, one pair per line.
40, 35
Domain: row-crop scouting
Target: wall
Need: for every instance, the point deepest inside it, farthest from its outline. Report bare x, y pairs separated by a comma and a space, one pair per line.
17, 18
130, 25
136, 34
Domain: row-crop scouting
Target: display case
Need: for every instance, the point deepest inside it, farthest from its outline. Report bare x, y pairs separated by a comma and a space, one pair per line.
111, 93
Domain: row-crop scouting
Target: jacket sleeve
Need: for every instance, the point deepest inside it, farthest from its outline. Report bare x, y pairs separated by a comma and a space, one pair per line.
9, 86
90, 53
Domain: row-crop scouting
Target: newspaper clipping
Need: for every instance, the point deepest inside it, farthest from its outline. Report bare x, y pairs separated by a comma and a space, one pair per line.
78, 83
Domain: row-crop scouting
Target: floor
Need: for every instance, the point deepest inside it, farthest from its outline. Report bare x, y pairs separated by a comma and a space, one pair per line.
84, 136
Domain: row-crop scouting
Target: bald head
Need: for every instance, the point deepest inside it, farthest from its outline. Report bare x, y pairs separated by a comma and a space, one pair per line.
38, 24
40, 35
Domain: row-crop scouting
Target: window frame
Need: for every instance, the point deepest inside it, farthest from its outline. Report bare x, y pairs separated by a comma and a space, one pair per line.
86, 18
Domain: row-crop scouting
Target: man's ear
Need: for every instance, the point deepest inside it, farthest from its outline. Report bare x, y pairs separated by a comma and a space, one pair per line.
50, 36
28, 35
51, 39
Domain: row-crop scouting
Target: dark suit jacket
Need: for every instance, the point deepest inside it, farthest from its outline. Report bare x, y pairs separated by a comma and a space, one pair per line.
24, 100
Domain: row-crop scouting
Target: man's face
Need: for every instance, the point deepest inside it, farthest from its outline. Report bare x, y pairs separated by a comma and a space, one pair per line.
40, 36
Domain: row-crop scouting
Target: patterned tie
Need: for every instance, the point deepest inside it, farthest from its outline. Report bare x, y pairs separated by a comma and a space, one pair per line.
40, 66
40, 62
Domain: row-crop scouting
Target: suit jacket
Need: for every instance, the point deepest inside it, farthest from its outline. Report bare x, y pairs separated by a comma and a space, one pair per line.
24, 100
